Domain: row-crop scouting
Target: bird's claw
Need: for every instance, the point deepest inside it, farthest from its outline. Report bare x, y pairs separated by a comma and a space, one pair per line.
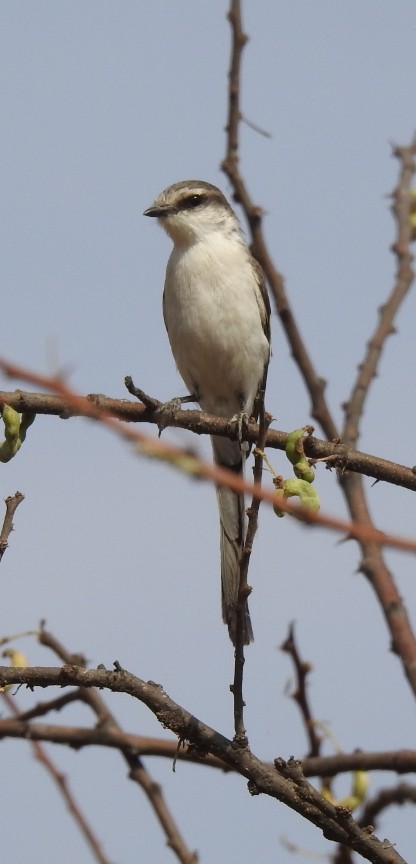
241, 420
168, 410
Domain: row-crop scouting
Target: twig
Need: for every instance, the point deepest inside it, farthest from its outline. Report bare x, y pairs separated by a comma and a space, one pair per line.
43, 708
255, 127
367, 369
62, 783
399, 761
335, 453
244, 589
138, 772
300, 695
253, 213
372, 565
191, 464
147, 400
401, 794
12, 503
283, 781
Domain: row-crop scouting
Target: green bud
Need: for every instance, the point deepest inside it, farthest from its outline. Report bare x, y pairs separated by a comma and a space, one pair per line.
295, 454
308, 496
15, 429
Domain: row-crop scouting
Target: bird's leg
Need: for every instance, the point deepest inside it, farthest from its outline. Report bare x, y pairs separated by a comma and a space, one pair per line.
168, 409
241, 420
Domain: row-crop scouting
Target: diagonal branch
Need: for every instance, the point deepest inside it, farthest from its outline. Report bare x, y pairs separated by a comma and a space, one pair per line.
61, 782
283, 781
138, 771
367, 369
372, 563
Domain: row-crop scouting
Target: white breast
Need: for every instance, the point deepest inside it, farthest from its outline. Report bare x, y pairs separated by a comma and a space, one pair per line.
213, 321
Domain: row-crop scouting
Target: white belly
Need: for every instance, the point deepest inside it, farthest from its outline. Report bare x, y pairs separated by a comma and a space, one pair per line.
214, 326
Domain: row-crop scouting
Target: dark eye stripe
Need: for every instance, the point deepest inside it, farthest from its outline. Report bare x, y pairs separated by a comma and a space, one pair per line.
192, 201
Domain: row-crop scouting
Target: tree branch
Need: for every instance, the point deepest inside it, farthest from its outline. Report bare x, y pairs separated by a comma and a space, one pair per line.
196, 467
300, 695
315, 385
404, 793
338, 455
12, 503
62, 783
77, 737
284, 781
138, 772
367, 369
372, 565
244, 589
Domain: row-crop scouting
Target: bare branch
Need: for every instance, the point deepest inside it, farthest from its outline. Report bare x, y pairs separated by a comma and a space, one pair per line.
189, 463
244, 588
404, 793
62, 783
12, 503
398, 761
300, 694
138, 772
284, 781
367, 369
315, 384
338, 455
372, 565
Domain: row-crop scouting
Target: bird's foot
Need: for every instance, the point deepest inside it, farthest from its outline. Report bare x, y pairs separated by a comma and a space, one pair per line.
241, 420
168, 410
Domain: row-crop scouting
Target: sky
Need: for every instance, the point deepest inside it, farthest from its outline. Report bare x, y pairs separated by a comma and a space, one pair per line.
103, 105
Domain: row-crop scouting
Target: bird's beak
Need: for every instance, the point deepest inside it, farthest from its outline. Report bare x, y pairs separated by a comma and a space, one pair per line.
160, 211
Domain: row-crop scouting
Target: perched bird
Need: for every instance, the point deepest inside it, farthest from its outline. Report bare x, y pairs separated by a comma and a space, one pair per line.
217, 315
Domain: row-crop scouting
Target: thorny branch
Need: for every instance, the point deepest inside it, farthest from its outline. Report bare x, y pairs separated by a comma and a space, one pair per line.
315, 385
300, 695
108, 733
372, 562
367, 369
338, 455
76, 737
404, 793
137, 770
189, 463
253, 511
283, 781
62, 783
12, 503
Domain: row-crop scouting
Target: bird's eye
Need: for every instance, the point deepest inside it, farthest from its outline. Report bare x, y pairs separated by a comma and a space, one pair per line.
193, 201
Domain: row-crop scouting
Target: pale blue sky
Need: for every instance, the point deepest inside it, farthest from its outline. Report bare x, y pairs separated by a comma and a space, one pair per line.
103, 105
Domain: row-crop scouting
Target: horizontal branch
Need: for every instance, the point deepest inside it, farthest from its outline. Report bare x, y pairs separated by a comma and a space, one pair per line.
283, 781
341, 457
187, 462
77, 737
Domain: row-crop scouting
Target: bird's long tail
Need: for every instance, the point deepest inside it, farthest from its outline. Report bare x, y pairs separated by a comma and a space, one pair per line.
232, 527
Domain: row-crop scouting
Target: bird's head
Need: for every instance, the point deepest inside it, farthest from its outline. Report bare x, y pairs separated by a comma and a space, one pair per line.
191, 210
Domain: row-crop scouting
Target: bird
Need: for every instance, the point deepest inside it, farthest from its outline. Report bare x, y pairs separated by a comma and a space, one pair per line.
217, 315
